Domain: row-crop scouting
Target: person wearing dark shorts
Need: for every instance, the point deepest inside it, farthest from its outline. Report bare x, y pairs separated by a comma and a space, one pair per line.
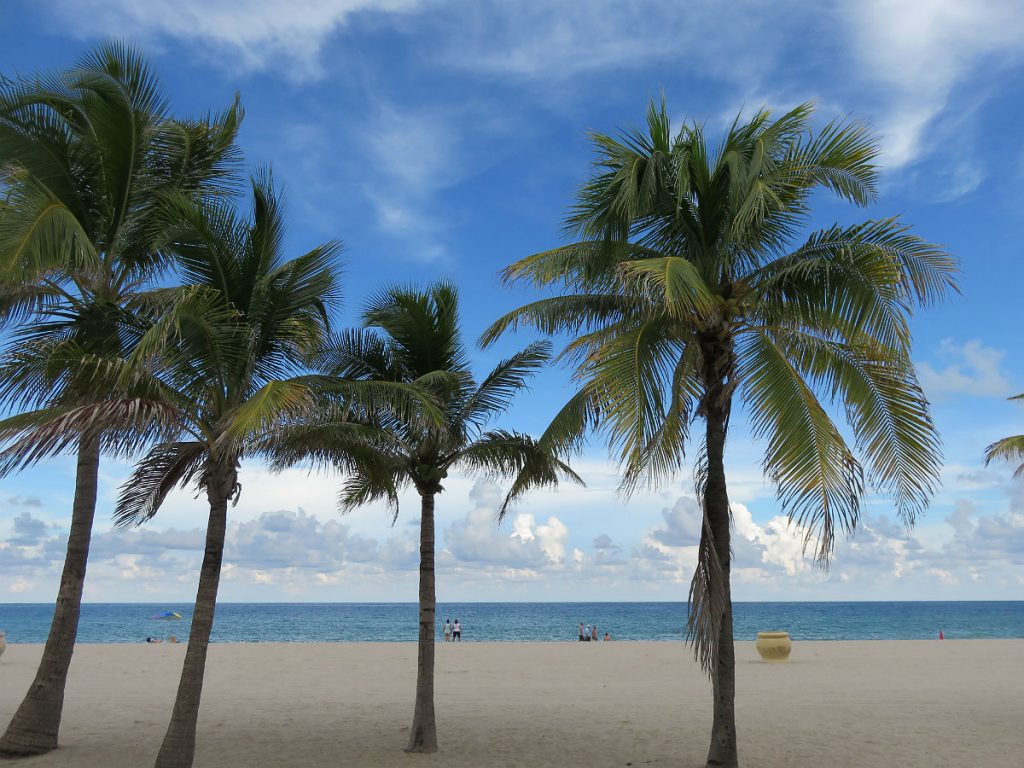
457, 631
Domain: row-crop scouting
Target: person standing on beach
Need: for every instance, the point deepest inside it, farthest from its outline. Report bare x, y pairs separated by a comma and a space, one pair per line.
447, 630
581, 631
457, 631
593, 633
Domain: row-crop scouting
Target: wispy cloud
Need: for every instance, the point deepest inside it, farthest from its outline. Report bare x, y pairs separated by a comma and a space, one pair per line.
920, 52
256, 36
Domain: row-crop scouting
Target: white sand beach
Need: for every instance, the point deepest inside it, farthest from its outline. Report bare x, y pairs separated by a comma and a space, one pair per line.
914, 704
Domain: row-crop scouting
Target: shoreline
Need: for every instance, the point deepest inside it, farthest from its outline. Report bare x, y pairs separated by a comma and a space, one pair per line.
913, 703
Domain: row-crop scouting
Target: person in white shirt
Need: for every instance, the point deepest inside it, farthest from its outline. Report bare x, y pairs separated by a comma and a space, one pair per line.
447, 630
457, 631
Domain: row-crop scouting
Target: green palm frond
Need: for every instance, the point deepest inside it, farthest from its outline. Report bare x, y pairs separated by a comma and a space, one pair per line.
40, 235
674, 285
884, 405
663, 455
559, 314
587, 266
495, 393
421, 328
500, 454
122, 424
628, 375
167, 466
820, 481
1008, 449
566, 434
377, 480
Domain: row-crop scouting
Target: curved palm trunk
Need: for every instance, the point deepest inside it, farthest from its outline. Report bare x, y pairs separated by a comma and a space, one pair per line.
716, 506
423, 737
179, 745
33, 729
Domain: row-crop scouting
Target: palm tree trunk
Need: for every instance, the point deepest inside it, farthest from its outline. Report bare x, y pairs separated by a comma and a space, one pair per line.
423, 737
33, 730
722, 753
179, 745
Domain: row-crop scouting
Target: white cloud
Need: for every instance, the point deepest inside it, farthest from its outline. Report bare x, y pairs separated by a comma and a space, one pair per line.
972, 369
416, 155
477, 538
560, 40
260, 35
920, 51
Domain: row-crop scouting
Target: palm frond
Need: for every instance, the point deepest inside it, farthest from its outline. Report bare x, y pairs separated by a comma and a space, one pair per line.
560, 314
123, 424
706, 603
884, 405
495, 393
500, 454
167, 466
674, 284
819, 480
1008, 449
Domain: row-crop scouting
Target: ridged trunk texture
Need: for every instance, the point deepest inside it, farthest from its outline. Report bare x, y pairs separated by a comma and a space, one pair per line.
717, 403
423, 737
179, 746
34, 727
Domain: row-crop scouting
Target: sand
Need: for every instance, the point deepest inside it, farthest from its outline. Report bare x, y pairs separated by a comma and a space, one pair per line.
926, 704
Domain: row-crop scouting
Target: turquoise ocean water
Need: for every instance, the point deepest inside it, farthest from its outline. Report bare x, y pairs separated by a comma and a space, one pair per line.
358, 622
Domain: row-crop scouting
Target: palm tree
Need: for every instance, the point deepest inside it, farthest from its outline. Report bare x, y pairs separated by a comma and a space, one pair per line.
227, 377
86, 156
413, 337
1008, 449
689, 288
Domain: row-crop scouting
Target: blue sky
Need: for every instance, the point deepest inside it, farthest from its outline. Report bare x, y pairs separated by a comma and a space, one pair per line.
445, 139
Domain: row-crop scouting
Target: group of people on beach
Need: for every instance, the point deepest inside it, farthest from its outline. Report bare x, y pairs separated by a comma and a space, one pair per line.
452, 632
588, 633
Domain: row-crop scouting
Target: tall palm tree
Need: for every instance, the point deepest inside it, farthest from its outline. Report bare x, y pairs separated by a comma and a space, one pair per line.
413, 337
227, 376
1008, 449
689, 287
86, 156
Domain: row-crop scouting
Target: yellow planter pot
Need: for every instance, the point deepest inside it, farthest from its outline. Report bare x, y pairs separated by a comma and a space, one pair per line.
774, 646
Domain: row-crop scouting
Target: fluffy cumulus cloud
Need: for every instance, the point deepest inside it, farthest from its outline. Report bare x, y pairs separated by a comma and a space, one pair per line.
965, 368
521, 545
881, 559
975, 550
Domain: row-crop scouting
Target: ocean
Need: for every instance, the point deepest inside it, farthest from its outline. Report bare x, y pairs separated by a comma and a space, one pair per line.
528, 622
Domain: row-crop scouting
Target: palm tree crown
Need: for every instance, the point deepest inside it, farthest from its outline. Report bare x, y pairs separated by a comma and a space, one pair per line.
413, 337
